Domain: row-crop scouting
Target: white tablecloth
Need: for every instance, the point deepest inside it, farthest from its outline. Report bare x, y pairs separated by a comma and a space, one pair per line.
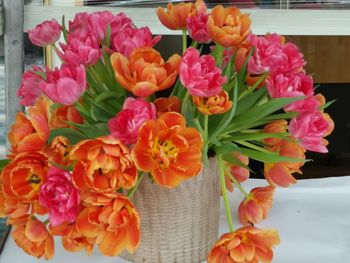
313, 219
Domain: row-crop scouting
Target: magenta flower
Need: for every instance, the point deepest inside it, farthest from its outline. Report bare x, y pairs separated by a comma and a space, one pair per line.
79, 51
59, 196
198, 29
65, 85
200, 75
131, 38
307, 104
95, 24
310, 128
30, 89
290, 86
46, 33
126, 124
273, 56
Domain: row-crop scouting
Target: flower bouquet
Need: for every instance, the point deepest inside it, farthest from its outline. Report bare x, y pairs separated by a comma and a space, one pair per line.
117, 142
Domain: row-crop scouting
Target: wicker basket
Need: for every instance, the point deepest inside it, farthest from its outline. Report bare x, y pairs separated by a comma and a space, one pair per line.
181, 224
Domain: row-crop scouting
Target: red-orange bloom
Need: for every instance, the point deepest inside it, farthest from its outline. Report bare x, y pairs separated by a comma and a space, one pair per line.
280, 173
103, 164
115, 225
167, 104
169, 150
278, 126
245, 245
30, 133
240, 173
217, 104
175, 16
227, 26
255, 207
59, 151
74, 241
23, 177
145, 72
61, 115
34, 239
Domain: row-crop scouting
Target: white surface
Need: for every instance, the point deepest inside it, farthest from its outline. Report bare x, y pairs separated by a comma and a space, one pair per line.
313, 219
284, 22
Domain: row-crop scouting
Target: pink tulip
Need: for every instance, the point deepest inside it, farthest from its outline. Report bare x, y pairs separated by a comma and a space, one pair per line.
95, 24
200, 75
30, 89
80, 51
46, 33
310, 128
65, 85
126, 124
273, 56
290, 86
198, 29
307, 104
59, 196
131, 38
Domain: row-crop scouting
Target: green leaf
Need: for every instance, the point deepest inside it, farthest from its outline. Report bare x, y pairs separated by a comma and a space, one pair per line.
267, 157
108, 36
96, 130
228, 147
257, 113
327, 104
248, 102
230, 158
256, 136
72, 135
3, 163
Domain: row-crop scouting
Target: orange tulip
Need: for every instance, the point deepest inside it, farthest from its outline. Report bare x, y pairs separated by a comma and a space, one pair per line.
168, 150
280, 173
23, 177
217, 104
240, 173
115, 225
59, 151
245, 245
175, 16
255, 207
34, 239
320, 98
74, 241
103, 164
278, 126
30, 134
145, 72
330, 123
227, 26
167, 104
61, 115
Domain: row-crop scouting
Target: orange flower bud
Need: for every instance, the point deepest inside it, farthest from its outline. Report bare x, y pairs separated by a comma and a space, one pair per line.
255, 207
278, 126
227, 26
216, 104
167, 104
246, 244
145, 72
175, 16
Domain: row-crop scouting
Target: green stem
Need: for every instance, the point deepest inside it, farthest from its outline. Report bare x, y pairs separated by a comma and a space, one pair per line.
224, 194
184, 40
133, 190
239, 186
219, 53
187, 95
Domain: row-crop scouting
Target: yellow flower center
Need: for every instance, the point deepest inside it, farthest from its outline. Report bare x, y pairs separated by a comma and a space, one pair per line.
34, 180
164, 152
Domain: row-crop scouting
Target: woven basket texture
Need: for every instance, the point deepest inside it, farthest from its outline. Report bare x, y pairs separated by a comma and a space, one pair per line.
179, 224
